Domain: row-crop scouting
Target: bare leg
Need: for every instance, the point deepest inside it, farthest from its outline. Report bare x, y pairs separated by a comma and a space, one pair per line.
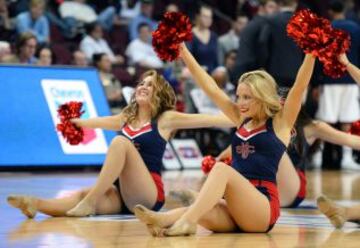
109, 203
238, 192
245, 205
137, 185
353, 213
288, 181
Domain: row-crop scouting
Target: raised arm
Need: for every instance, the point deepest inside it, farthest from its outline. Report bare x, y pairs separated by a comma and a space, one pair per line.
114, 122
207, 83
324, 131
350, 67
294, 98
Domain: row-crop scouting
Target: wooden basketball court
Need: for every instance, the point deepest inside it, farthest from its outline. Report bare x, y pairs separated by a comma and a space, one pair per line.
303, 227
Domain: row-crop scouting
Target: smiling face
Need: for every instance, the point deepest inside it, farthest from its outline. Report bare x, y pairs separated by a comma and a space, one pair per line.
247, 103
257, 96
154, 93
144, 91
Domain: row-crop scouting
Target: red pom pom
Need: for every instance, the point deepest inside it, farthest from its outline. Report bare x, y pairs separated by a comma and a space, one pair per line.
355, 128
72, 134
207, 164
174, 29
316, 36
340, 43
209, 161
310, 32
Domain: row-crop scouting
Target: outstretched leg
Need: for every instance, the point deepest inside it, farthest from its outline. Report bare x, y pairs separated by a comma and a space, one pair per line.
122, 161
109, 203
288, 181
245, 206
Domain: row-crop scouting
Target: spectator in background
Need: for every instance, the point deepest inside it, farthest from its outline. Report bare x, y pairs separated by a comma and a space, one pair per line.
339, 98
278, 53
129, 9
84, 13
5, 50
45, 56
25, 50
111, 85
34, 21
230, 61
230, 40
204, 44
203, 103
172, 7
247, 58
6, 27
145, 16
93, 43
353, 12
79, 59
140, 51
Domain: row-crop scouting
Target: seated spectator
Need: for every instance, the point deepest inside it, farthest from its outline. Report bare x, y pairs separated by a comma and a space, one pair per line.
111, 85
145, 16
230, 40
202, 102
34, 21
79, 59
84, 13
230, 60
5, 50
25, 50
6, 27
93, 43
221, 77
140, 51
45, 56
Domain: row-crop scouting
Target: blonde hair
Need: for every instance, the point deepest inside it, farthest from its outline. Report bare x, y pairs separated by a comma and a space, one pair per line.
163, 98
264, 89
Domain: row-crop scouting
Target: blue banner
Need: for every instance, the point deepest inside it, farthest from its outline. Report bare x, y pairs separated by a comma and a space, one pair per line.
29, 97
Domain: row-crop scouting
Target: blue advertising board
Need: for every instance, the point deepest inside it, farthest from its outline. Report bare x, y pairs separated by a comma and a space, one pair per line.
29, 97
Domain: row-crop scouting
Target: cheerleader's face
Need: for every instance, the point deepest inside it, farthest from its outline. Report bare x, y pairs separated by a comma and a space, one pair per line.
144, 90
247, 104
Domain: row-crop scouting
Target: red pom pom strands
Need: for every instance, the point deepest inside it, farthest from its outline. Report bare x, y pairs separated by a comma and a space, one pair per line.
209, 161
355, 128
72, 134
207, 164
174, 29
315, 35
310, 32
329, 57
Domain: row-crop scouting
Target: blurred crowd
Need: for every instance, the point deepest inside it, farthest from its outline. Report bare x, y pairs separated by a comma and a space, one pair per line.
230, 37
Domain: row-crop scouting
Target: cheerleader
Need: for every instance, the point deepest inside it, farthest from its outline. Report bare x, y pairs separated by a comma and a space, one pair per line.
134, 159
244, 196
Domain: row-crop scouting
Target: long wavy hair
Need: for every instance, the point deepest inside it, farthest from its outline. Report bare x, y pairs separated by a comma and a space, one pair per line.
163, 98
264, 89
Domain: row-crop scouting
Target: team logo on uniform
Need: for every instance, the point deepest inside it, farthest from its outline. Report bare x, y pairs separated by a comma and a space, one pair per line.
245, 149
58, 92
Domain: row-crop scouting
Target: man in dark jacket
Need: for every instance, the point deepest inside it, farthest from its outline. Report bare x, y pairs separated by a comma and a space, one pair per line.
247, 56
278, 53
